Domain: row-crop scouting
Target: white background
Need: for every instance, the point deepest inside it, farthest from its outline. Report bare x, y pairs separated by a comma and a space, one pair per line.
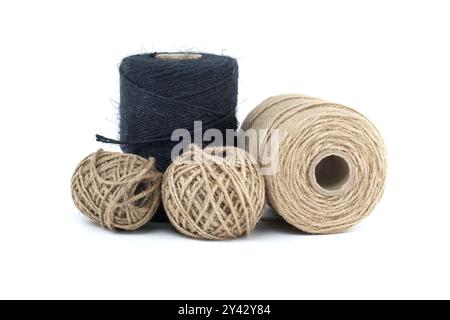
58, 83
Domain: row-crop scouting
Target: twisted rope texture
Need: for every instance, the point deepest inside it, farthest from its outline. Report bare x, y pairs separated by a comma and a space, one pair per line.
208, 196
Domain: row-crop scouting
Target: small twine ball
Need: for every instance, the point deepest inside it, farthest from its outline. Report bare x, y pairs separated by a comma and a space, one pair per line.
117, 190
215, 193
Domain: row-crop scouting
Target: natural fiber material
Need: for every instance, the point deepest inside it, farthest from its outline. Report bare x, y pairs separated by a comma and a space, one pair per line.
331, 166
209, 196
116, 190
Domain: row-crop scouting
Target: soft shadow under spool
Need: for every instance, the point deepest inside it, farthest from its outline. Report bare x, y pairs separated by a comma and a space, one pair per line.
331, 163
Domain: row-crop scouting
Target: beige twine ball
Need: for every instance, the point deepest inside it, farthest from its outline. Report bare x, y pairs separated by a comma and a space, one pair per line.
117, 190
215, 193
331, 164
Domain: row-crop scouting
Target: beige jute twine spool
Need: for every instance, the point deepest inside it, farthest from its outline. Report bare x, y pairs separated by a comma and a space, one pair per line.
331, 163
215, 193
117, 190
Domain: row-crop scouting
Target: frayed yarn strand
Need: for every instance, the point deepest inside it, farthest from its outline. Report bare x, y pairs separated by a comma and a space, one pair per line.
332, 162
215, 193
116, 190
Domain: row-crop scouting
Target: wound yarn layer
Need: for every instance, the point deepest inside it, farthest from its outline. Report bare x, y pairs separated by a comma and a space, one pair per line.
159, 94
331, 166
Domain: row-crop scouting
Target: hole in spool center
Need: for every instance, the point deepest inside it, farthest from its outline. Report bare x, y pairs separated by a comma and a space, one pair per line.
332, 172
178, 56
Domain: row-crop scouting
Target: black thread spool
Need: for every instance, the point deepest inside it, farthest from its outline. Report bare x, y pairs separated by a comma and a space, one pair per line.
161, 92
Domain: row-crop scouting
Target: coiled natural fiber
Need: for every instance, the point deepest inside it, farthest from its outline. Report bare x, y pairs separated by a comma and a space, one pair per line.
116, 190
331, 162
208, 196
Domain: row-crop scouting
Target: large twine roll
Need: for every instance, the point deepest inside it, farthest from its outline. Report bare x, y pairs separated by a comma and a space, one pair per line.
117, 190
215, 193
331, 162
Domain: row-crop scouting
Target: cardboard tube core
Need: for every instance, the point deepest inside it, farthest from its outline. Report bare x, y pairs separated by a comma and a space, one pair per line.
178, 56
331, 173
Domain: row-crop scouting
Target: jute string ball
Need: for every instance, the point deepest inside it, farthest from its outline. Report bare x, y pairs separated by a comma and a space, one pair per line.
331, 162
215, 193
116, 190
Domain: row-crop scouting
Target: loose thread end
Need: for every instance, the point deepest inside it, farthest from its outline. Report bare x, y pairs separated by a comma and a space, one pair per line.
103, 139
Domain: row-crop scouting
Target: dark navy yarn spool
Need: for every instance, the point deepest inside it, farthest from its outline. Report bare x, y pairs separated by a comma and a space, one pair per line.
166, 91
